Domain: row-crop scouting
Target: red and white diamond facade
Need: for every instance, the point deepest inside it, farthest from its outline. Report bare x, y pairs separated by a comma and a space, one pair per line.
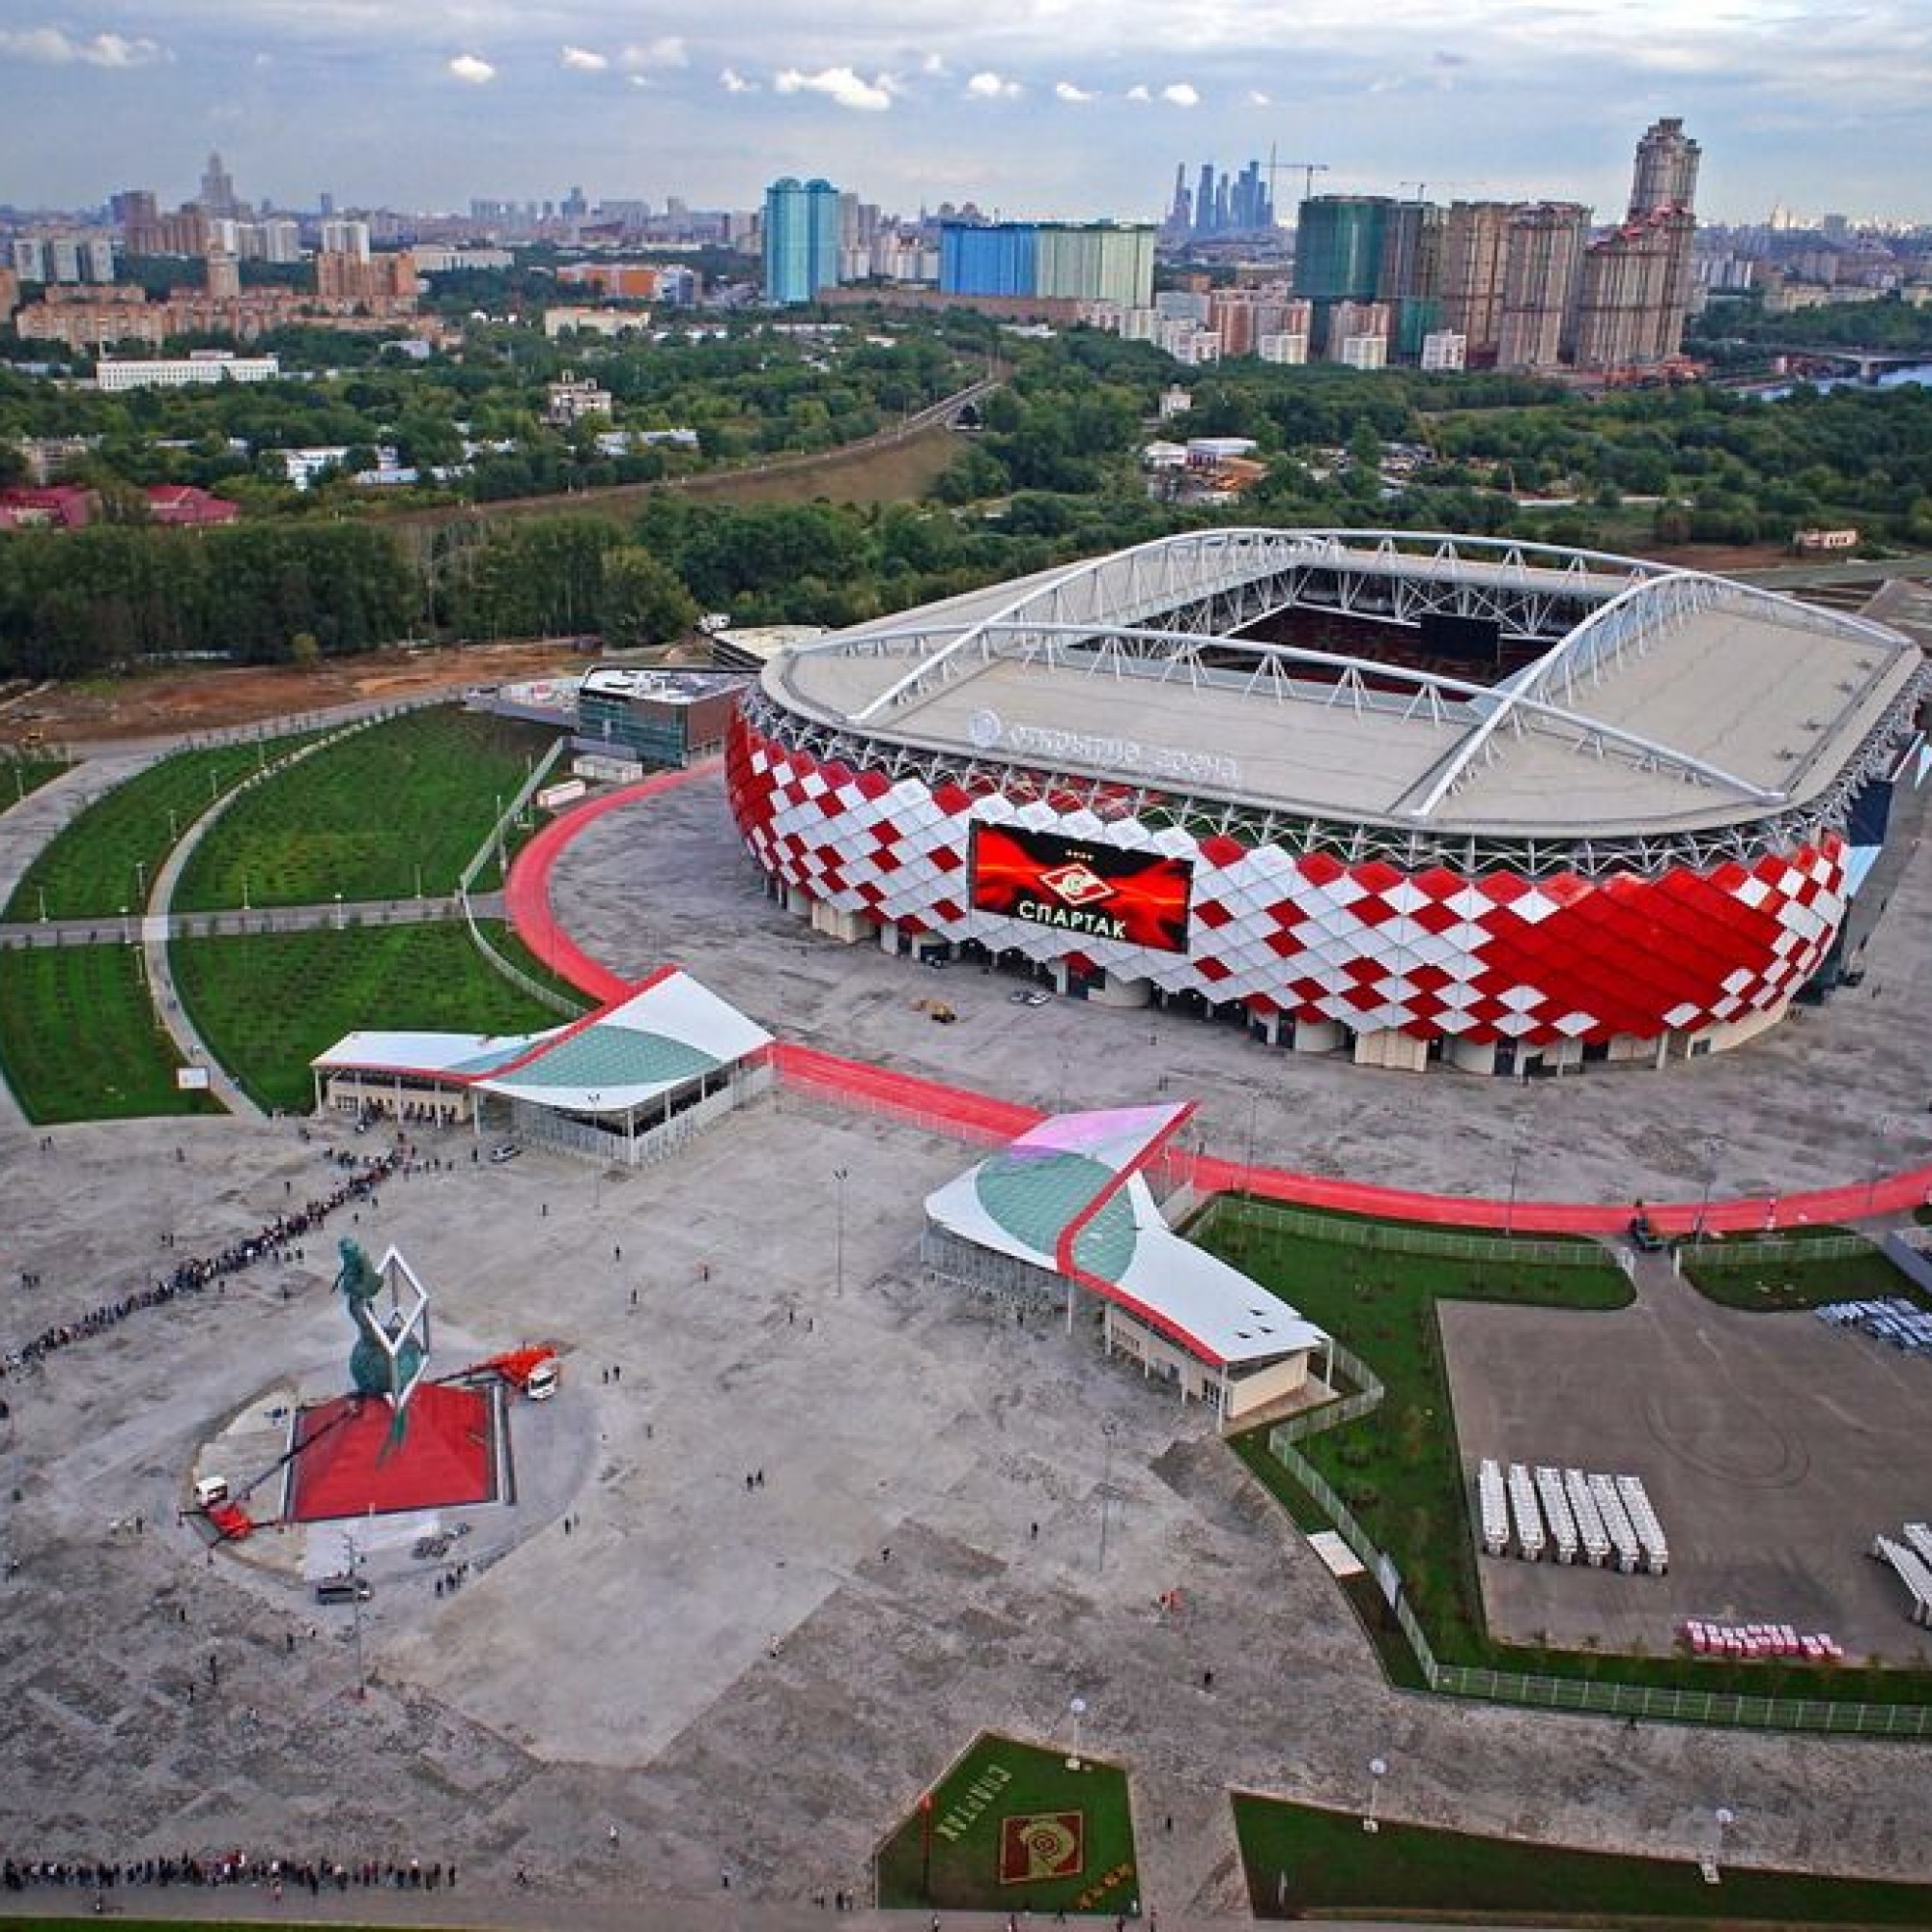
1623, 829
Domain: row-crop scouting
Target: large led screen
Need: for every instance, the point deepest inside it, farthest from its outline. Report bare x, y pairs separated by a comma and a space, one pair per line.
1098, 892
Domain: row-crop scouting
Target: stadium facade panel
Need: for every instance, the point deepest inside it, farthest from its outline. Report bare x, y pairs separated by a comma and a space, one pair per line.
1683, 922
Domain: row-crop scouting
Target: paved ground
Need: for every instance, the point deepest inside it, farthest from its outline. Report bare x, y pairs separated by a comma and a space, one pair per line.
624, 1673
1772, 1445
1838, 1094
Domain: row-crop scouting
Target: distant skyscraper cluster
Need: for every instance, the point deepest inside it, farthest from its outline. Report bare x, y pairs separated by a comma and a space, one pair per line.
1221, 204
1520, 283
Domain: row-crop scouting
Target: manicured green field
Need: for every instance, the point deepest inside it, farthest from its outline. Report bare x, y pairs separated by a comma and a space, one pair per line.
20, 776
108, 854
79, 1039
1399, 1469
1796, 1281
1010, 1828
385, 813
266, 1004
1299, 1862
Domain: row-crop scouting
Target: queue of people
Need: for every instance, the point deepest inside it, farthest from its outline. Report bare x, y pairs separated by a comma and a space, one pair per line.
277, 1240
235, 1867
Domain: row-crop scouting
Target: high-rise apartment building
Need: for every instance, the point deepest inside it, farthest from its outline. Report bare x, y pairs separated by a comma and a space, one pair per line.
346, 238
1666, 174
1637, 280
801, 239
1075, 261
1338, 252
1474, 254
1408, 277
1540, 283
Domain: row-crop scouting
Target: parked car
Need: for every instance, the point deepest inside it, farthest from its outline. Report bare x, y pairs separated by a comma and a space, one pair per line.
508, 1150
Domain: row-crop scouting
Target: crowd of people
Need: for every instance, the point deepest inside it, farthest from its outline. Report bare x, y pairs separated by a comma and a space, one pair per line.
277, 1240
314, 1876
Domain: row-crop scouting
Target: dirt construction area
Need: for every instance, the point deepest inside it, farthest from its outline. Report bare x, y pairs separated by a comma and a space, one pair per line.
179, 703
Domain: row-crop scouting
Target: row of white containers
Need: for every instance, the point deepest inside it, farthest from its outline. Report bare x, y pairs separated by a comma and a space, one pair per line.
1568, 1515
1912, 1563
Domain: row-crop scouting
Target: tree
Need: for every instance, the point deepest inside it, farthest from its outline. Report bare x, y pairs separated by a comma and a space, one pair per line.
644, 601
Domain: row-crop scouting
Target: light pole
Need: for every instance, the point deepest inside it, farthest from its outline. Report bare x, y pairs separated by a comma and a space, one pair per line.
244, 892
1724, 1818
1516, 1172
1888, 1125
1077, 1709
141, 881
1712, 1149
124, 925
839, 1177
339, 920
1377, 1770
174, 826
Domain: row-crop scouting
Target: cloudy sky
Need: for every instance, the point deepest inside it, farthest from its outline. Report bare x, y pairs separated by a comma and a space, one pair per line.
1031, 107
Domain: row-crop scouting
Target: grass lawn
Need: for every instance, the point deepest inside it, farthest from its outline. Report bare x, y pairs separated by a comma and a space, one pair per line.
107, 855
1400, 1468
18, 776
406, 801
1791, 1281
79, 1039
1010, 1827
1300, 1861
269, 1003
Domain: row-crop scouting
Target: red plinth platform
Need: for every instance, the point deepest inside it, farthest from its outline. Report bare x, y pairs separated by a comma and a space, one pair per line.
352, 1458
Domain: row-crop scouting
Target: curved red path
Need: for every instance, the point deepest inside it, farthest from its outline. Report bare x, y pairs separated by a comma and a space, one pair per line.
984, 1118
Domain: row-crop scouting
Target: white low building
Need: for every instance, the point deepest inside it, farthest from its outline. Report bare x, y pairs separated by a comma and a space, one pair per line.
1066, 1211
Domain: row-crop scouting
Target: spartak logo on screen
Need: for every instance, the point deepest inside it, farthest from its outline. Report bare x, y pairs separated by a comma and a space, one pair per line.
1077, 885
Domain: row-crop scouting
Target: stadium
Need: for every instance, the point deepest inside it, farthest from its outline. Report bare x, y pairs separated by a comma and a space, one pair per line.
1418, 798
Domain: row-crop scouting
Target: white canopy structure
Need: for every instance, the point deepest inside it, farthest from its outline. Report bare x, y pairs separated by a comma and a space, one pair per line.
606, 1084
1070, 1203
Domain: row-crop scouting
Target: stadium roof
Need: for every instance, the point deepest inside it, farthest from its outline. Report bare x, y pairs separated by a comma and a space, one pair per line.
1068, 1197
1664, 701
657, 1037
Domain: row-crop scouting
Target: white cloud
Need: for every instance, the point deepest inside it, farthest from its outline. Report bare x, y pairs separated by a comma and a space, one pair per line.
1064, 90
1139, 92
734, 83
50, 46
472, 68
988, 86
580, 60
1181, 95
1256, 99
668, 51
934, 64
840, 86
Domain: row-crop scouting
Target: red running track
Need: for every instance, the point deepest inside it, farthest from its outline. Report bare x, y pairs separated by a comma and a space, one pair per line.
984, 1118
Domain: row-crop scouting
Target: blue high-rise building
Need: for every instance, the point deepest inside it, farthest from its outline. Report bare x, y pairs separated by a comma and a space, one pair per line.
997, 260
801, 239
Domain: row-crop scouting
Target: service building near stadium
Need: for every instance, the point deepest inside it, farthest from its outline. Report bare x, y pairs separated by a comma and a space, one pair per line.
1420, 798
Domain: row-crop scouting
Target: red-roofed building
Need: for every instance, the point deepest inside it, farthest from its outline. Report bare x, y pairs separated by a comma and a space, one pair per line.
182, 505
54, 506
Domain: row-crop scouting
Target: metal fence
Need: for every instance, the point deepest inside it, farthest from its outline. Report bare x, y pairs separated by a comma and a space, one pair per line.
1278, 1217
1749, 1252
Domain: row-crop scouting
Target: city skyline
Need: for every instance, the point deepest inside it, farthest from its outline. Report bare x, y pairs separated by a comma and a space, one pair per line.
1035, 111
